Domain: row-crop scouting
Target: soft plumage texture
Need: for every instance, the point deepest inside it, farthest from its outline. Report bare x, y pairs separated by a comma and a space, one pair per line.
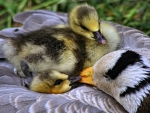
63, 51
84, 20
130, 38
47, 18
72, 51
1, 52
16, 98
126, 77
33, 20
133, 39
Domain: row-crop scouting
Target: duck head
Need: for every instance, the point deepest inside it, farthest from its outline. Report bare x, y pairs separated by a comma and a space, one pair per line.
110, 73
84, 20
124, 75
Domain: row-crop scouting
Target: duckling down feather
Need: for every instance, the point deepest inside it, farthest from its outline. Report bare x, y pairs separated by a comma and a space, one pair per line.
16, 98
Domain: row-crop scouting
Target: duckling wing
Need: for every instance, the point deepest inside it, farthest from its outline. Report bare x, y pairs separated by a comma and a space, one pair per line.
133, 39
16, 98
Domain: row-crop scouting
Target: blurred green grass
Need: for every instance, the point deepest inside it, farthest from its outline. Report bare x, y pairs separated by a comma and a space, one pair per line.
133, 13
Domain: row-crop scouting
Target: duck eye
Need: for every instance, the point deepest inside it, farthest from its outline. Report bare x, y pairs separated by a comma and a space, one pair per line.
58, 82
107, 78
83, 27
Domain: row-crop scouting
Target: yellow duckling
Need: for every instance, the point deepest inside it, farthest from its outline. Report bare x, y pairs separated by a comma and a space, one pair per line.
48, 81
100, 36
125, 77
63, 50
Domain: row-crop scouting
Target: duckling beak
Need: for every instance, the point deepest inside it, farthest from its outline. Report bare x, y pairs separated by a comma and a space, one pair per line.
86, 76
73, 79
99, 37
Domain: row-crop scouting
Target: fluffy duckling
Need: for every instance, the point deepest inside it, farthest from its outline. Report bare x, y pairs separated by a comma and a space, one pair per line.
53, 82
100, 37
48, 81
64, 49
124, 75
84, 20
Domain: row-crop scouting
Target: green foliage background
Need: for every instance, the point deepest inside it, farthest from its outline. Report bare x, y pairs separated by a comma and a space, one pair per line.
133, 13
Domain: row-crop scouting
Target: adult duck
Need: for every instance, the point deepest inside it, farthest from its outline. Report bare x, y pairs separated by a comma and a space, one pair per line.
124, 75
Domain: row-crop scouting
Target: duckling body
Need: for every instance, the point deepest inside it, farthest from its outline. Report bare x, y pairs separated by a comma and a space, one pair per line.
50, 48
126, 77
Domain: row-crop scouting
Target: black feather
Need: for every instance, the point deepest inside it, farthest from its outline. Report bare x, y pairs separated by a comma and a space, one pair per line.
128, 58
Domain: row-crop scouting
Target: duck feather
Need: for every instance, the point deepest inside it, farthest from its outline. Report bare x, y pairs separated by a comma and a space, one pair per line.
16, 98
34, 20
133, 39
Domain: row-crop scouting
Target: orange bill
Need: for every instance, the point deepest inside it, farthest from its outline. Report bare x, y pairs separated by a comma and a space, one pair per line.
86, 76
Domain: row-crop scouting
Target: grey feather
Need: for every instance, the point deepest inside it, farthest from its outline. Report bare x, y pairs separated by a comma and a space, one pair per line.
12, 32
15, 98
133, 39
22, 17
33, 20
1, 52
27, 100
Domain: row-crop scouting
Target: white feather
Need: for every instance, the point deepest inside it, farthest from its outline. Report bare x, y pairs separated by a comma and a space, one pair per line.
130, 77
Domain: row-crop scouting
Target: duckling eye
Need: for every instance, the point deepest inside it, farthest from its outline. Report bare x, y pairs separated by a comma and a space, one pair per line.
58, 82
83, 27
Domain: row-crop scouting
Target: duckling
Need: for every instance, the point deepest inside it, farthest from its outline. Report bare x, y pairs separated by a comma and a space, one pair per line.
84, 20
53, 82
48, 81
124, 75
63, 49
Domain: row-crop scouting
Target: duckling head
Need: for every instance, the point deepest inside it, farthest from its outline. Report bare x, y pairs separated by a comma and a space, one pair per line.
124, 75
52, 82
84, 20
